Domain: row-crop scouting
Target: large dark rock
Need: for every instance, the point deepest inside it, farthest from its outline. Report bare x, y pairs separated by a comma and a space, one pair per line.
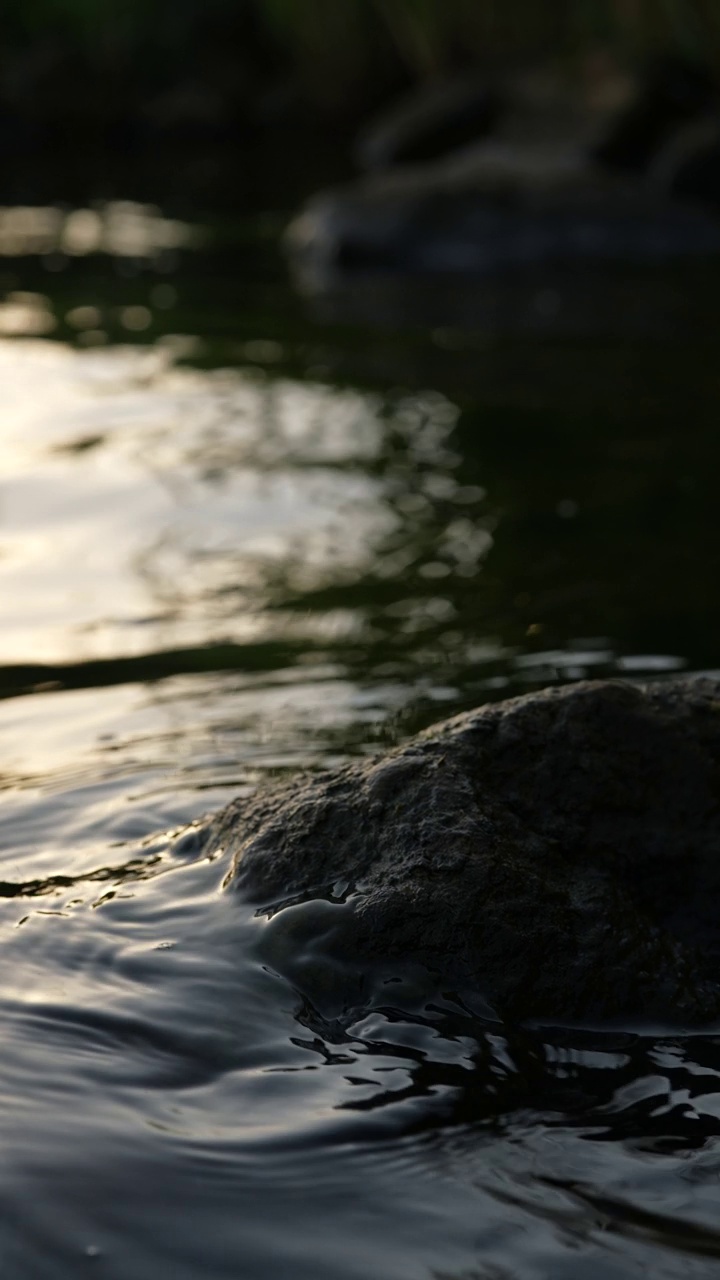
558, 853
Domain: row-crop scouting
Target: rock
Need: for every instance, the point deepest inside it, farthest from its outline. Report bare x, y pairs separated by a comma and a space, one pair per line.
554, 182
408, 222
559, 854
537, 208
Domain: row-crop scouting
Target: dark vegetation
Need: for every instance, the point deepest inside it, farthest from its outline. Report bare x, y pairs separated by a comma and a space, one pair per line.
80, 73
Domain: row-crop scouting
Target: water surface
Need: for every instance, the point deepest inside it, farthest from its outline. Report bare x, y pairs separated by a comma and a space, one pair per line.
238, 539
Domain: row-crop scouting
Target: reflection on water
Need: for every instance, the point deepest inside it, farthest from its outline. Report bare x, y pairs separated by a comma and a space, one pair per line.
122, 228
158, 520
238, 542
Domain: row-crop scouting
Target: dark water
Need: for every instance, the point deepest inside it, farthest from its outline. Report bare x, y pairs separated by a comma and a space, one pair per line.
243, 533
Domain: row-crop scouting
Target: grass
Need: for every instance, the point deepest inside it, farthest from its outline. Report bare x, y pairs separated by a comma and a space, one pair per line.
422, 30
428, 32
337, 47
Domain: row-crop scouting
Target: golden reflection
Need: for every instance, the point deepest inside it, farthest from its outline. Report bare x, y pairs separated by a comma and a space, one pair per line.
121, 228
135, 319
158, 519
147, 507
26, 314
83, 318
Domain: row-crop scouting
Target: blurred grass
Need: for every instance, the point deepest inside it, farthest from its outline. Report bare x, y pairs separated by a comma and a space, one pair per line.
421, 29
344, 51
429, 33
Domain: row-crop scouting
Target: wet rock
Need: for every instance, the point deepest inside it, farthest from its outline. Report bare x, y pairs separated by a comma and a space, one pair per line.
559, 853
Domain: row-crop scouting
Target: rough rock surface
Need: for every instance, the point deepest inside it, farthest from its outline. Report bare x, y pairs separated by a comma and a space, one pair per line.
560, 852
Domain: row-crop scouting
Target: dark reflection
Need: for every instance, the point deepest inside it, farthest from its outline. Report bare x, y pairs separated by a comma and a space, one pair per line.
135, 869
529, 546
635, 1222
38, 677
657, 1093
536, 304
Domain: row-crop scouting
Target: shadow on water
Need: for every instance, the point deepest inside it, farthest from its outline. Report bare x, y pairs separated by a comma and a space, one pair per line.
418, 1058
658, 1092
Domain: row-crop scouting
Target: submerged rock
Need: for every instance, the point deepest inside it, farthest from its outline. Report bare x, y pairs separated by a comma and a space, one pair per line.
558, 853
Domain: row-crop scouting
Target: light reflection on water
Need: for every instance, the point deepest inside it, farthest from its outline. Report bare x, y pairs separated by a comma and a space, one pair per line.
210, 575
122, 228
148, 509
192, 490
